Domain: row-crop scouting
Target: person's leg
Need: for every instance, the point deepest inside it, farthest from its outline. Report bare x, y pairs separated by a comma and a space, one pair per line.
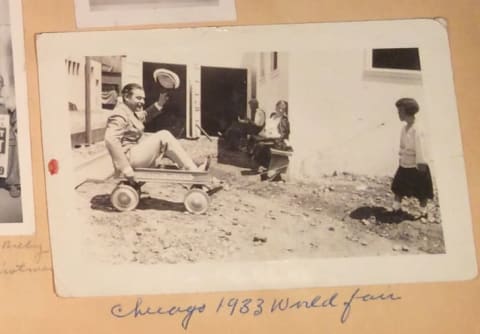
13, 174
400, 185
423, 207
424, 190
262, 154
397, 203
235, 133
153, 146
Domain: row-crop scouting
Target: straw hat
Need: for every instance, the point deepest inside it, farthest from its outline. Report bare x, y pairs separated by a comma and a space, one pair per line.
166, 78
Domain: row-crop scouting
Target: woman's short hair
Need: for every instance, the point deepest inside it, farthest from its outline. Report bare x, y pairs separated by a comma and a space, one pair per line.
285, 103
253, 103
408, 104
129, 88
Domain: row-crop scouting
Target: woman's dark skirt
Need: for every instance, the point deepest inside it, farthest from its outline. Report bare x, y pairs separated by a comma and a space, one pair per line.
410, 182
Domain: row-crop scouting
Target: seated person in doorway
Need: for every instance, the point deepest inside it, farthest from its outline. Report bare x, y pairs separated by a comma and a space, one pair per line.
12, 181
126, 141
274, 135
240, 129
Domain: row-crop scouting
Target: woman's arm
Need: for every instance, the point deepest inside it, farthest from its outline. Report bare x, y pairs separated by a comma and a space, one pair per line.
284, 128
420, 150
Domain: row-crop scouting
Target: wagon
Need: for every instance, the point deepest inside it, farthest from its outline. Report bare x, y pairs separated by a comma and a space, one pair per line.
126, 195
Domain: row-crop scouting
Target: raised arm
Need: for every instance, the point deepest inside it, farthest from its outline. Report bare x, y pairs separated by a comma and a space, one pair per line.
157, 108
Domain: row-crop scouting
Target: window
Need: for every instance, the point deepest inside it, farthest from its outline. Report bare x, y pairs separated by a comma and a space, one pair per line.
400, 59
394, 62
274, 64
274, 61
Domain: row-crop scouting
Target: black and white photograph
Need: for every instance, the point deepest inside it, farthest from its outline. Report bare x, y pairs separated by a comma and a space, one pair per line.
15, 192
103, 13
255, 156
149, 4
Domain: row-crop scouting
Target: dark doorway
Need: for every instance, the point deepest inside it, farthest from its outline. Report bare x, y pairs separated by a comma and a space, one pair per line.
173, 117
224, 97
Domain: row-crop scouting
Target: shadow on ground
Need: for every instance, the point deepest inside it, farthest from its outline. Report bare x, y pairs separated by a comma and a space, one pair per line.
102, 203
381, 214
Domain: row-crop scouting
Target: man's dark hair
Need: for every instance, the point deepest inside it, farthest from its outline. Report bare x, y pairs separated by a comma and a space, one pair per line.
128, 89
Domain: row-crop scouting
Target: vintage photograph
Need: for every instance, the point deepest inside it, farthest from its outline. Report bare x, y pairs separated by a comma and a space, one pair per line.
103, 13
11, 182
238, 122
256, 157
148, 4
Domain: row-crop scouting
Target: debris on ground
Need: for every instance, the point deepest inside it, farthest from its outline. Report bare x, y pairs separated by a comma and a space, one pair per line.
298, 217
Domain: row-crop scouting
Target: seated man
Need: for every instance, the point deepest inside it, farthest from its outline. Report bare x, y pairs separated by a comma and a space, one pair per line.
239, 130
274, 135
126, 141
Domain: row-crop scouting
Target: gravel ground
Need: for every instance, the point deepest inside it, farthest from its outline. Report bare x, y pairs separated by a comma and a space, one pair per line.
341, 215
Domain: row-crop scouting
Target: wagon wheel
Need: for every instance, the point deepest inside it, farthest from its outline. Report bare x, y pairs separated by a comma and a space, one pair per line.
196, 201
125, 198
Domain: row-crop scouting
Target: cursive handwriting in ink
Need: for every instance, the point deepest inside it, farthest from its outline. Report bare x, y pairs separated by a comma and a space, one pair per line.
36, 248
258, 306
315, 302
21, 268
356, 296
139, 311
234, 306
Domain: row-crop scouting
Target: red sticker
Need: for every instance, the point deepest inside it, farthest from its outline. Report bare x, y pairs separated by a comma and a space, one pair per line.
53, 166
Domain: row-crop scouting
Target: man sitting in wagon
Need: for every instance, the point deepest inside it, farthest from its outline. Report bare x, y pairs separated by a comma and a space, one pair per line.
129, 146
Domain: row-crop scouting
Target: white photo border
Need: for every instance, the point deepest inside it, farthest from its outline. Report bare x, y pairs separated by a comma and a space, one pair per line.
459, 262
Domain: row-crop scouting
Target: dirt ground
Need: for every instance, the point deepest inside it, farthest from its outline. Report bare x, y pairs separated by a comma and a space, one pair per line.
340, 215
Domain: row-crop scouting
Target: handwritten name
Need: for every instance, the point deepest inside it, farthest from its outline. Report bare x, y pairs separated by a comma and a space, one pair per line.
36, 248
257, 306
15, 251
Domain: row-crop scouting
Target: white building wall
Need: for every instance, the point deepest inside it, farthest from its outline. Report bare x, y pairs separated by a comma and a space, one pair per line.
75, 77
343, 119
96, 85
272, 85
75, 73
6, 64
75, 80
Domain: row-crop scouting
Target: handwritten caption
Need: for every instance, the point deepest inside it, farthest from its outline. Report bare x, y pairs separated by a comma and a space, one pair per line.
18, 257
254, 307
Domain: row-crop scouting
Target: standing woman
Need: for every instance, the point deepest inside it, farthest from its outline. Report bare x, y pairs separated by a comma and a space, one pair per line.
413, 178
